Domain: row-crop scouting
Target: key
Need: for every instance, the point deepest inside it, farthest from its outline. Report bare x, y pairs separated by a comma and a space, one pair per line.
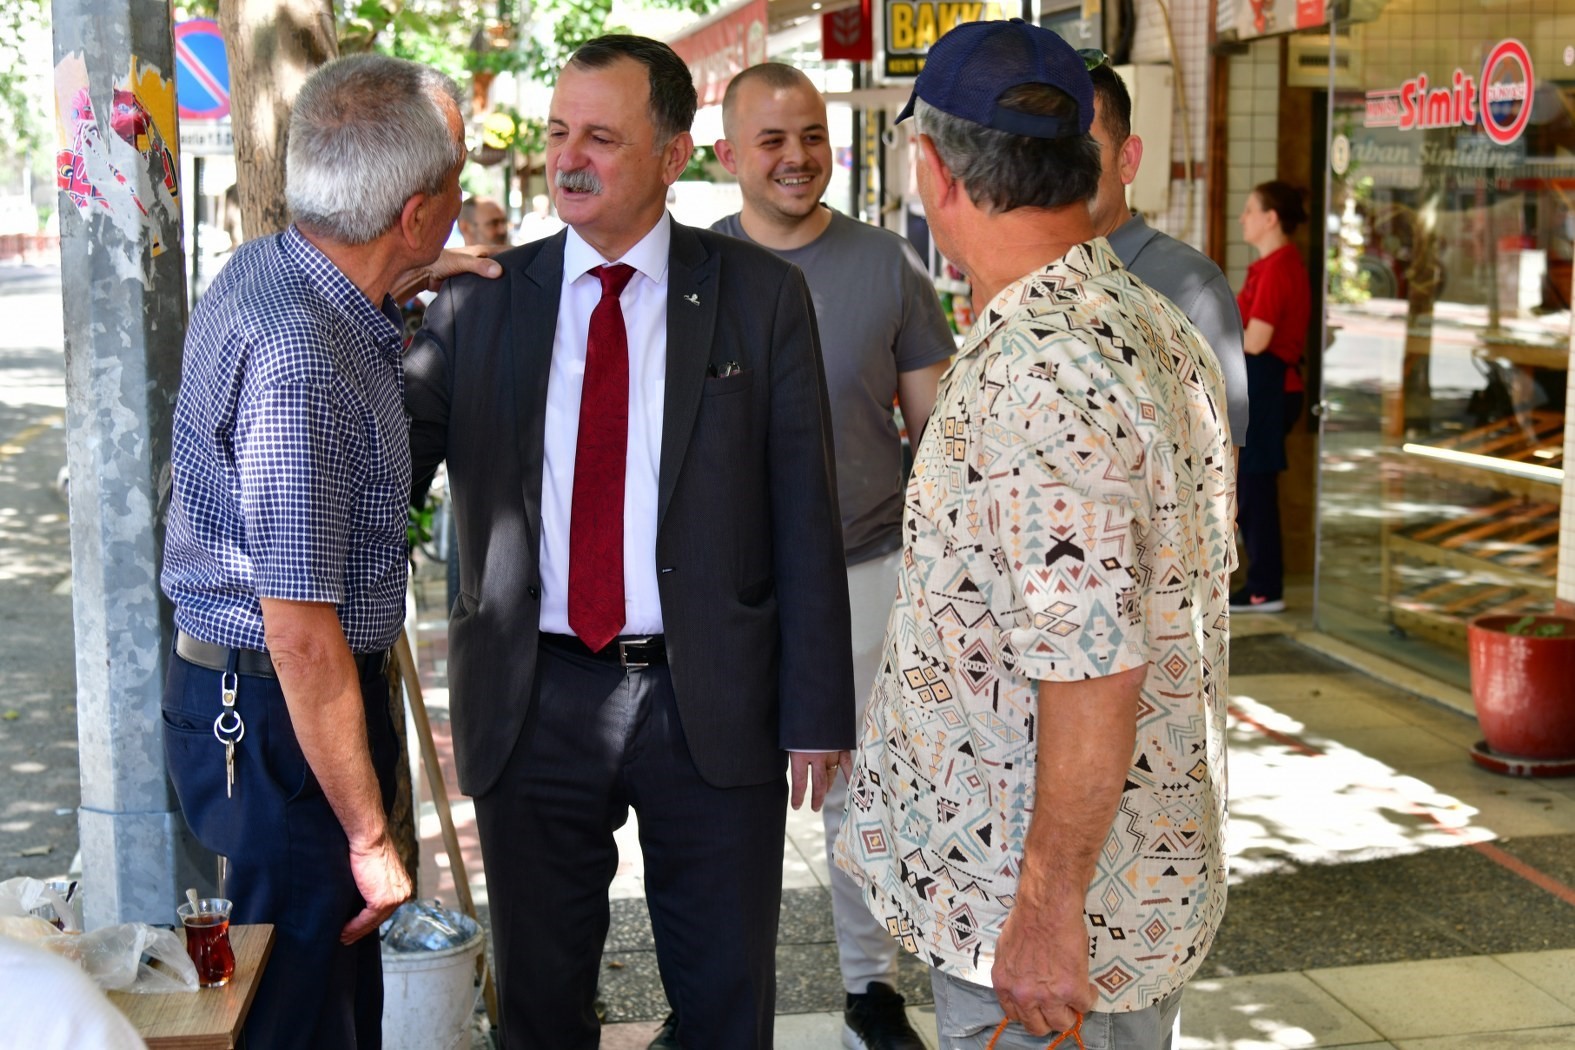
229, 729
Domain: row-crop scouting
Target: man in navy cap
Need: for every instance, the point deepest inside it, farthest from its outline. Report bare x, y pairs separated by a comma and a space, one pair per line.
1038, 805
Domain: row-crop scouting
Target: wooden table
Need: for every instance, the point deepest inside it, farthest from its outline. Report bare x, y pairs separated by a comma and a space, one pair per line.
209, 1018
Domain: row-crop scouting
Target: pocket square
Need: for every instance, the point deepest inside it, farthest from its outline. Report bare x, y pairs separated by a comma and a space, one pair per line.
731, 368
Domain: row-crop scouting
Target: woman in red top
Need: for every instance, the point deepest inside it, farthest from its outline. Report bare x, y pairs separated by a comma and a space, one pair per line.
1275, 303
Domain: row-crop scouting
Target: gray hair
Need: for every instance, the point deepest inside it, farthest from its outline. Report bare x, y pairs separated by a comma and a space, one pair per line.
1002, 171
367, 133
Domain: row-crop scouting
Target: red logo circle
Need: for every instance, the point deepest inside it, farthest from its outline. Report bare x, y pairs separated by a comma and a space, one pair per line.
1504, 95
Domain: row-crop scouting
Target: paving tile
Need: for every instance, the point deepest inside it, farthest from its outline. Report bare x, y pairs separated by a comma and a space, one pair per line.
1560, 1038
1275, 654
629, 926
1553, 855
1349, 688
631, 987
1560, 787
1277, 932
806, 917
1553, 972
1337, 806
629, 881
816, 1031
1423, 877
1528, 920
632, 1035
809, 981
1508, 807
1443, 997
806, 836
1329, 716
823, 1031
1403, 747
1283, 1010
1446, 722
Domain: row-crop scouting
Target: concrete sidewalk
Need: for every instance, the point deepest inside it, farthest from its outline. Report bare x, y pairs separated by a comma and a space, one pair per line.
1384, 891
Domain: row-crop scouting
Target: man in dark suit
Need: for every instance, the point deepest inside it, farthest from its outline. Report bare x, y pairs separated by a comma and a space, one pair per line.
653, 604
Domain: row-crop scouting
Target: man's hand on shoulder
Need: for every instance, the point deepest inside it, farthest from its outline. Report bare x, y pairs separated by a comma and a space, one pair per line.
384, 884
472, 258
819, 769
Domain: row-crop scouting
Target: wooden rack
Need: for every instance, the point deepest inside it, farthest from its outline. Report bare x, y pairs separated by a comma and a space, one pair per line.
1500, 555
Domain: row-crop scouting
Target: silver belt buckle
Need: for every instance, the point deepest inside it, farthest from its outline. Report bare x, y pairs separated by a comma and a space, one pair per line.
623, 653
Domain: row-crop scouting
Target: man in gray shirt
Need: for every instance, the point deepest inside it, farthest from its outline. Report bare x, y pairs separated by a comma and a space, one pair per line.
882, 335
1176, 270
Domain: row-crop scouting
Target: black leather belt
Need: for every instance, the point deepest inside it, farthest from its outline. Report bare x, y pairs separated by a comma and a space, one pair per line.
636, 651
252, 662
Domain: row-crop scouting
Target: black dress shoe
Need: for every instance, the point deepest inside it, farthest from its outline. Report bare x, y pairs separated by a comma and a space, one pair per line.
667, 1035
876, 1020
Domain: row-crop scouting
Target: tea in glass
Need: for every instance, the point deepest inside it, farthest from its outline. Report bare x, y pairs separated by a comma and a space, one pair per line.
208, 940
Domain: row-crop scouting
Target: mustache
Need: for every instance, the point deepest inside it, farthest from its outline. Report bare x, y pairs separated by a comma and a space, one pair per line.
581, 180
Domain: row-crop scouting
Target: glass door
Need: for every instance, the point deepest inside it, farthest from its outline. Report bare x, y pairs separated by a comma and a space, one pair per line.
1448, 234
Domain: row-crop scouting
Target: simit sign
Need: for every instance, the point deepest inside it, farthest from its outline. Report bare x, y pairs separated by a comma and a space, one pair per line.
1500, 98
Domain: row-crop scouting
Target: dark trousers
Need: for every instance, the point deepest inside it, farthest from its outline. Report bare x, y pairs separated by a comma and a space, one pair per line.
1258, 514
598, 742
289, 861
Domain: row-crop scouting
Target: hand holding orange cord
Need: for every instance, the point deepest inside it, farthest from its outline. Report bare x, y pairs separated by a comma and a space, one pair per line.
1075, 1032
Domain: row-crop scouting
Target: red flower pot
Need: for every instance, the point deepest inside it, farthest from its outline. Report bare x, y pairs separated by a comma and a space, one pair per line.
1523, 686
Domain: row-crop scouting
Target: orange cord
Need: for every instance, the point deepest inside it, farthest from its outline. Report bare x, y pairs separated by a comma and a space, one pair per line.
1075, 1032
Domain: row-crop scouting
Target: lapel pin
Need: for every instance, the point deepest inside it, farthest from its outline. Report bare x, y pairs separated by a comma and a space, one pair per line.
692, 298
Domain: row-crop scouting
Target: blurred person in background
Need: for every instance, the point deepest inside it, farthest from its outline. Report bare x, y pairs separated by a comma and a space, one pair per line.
883, 337
1275, 302
1173, 268
482, 221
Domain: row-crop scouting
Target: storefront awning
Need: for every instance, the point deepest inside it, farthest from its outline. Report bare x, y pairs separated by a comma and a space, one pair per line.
733, 38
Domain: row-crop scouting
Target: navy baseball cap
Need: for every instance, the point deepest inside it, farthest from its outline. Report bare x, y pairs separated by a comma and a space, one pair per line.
977, 62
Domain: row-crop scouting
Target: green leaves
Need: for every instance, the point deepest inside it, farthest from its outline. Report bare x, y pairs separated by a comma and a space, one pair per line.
22, 22
1534, 627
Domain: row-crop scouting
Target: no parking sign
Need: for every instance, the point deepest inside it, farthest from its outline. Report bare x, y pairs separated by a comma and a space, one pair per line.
202, 72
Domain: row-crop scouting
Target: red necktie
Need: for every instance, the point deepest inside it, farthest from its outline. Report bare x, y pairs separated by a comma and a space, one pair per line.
596, 610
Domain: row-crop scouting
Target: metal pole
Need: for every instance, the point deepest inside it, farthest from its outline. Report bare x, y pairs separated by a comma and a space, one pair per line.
125, 312
199, 209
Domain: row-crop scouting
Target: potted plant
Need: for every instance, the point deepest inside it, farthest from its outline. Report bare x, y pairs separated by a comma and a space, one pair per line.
1523, 687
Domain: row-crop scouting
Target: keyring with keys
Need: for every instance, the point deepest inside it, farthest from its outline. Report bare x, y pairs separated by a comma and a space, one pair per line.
228, 727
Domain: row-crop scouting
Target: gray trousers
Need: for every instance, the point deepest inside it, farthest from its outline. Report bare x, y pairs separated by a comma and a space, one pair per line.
967, 1014
864, 949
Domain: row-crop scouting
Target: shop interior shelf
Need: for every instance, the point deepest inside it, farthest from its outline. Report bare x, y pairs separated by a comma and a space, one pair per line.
1440, 608
1511, 538
1555, 356
1523, 454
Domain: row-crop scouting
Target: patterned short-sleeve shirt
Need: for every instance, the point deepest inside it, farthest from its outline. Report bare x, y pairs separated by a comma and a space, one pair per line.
291, 452
1068, 517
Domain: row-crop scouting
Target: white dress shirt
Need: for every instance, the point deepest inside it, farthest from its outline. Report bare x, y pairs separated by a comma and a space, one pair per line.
644, 303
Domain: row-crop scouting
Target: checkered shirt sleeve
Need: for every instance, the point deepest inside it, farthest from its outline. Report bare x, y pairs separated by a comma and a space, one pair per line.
291, 452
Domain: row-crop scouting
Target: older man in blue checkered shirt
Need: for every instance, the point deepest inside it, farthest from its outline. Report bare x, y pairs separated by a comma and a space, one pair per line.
285, 553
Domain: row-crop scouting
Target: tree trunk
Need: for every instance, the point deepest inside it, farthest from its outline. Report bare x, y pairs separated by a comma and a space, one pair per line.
273, 46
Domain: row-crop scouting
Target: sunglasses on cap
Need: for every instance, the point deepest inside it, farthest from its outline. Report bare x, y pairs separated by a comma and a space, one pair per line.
1092, 58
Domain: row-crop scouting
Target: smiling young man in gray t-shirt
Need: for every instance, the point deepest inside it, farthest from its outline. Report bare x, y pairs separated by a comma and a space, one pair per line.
883, 336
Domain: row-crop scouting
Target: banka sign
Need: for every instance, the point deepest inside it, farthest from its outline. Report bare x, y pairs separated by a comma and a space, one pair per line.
1500, 99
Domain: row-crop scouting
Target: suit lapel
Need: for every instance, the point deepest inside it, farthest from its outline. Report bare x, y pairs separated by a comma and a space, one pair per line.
691, 321
531, 326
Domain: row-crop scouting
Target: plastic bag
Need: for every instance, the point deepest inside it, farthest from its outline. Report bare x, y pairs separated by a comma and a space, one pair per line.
130, 957
120, 958
25, 896
426, 926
